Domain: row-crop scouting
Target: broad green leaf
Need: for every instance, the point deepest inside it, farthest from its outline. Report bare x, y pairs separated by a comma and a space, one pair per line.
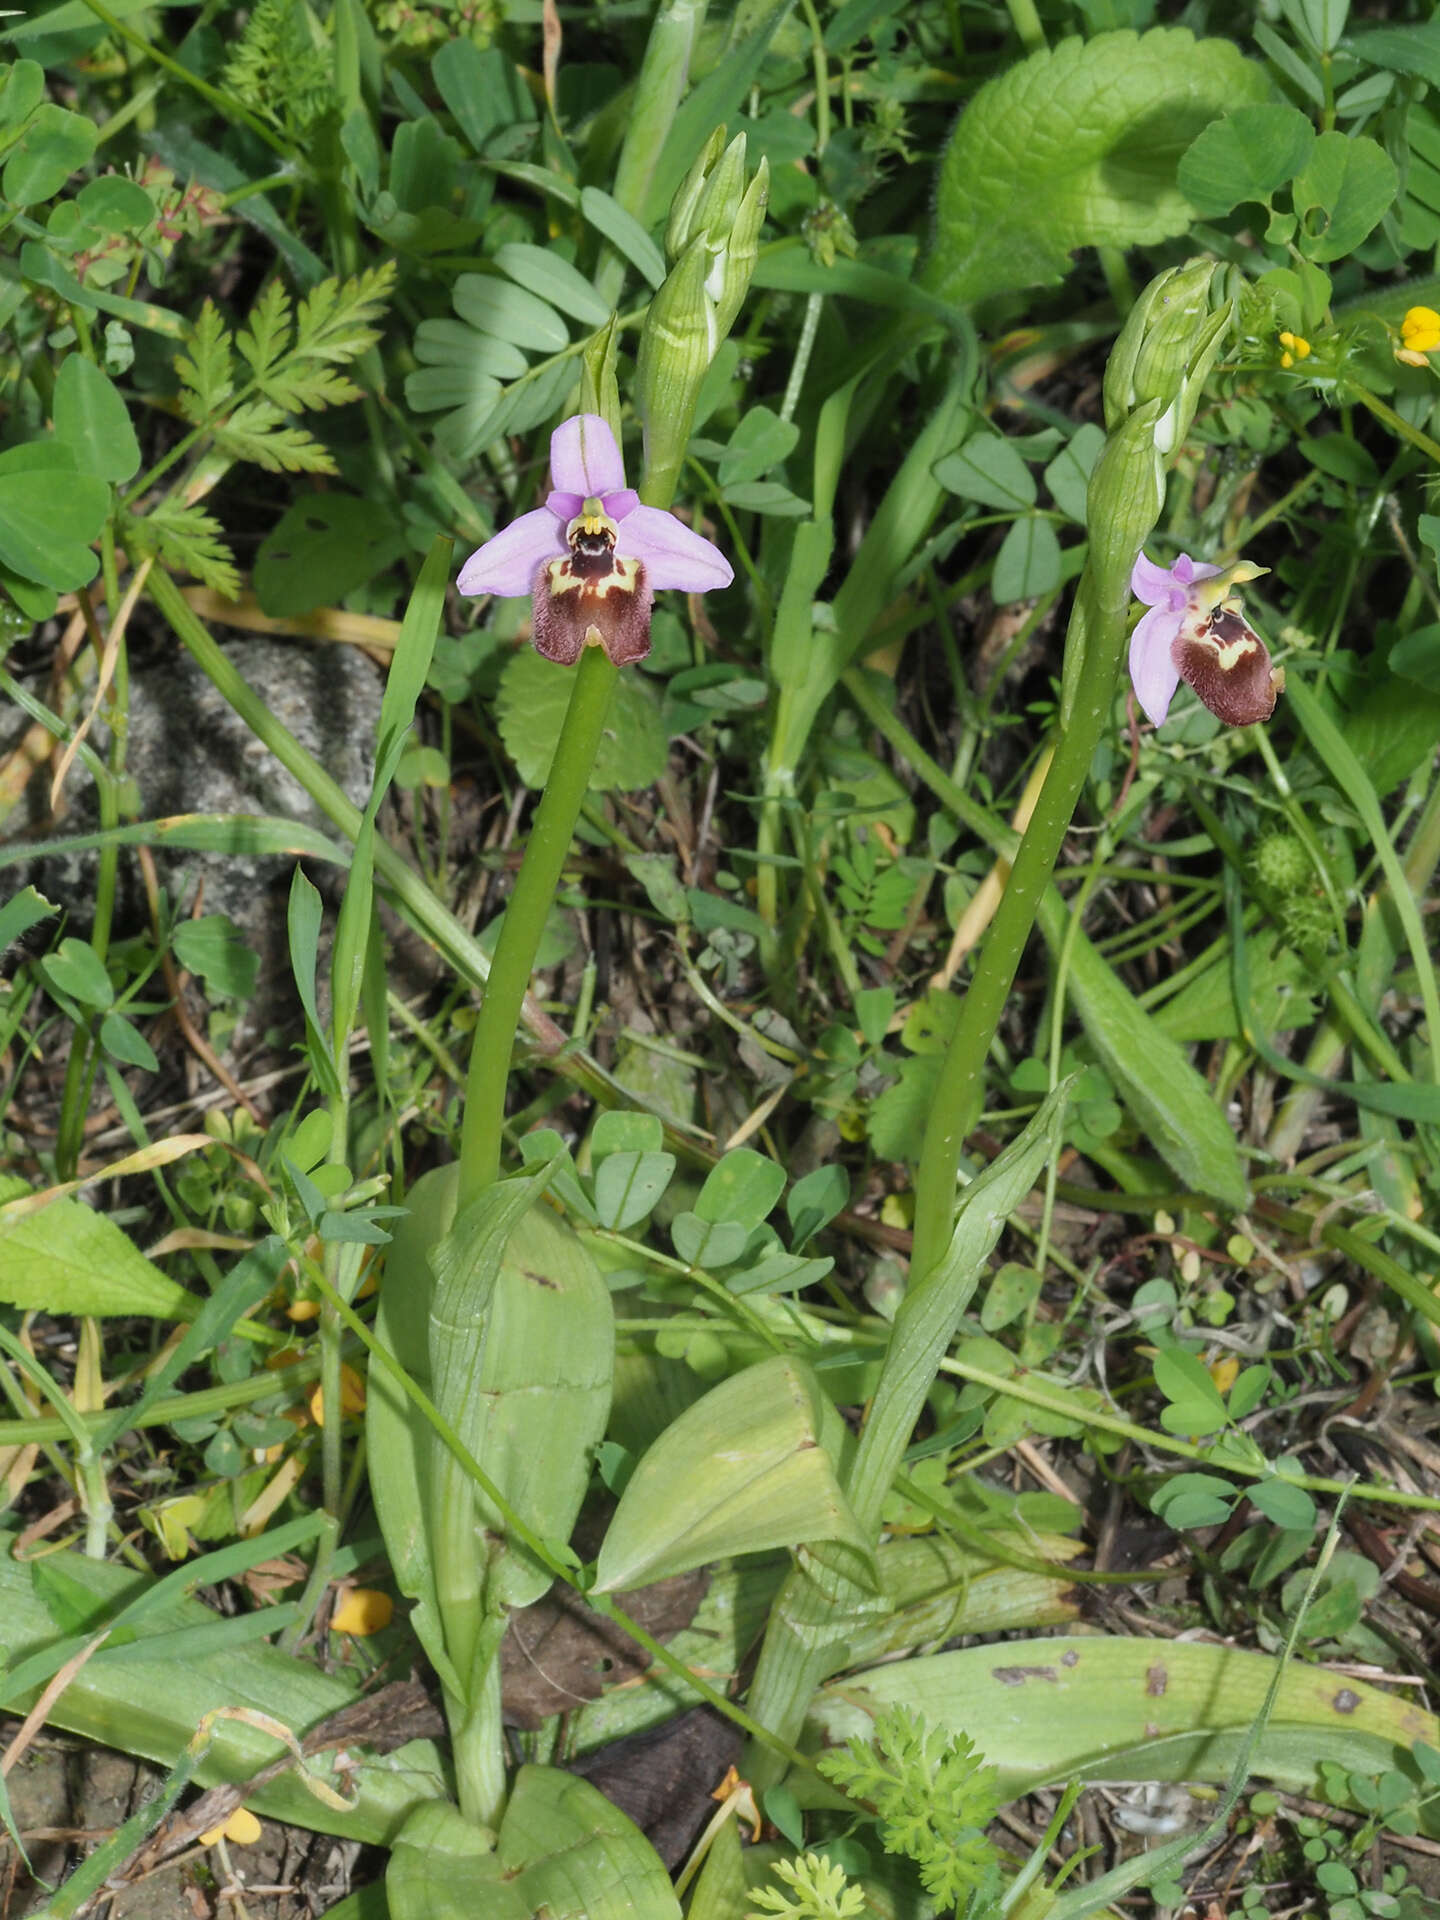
1148, 1070
1077, 146
115, 204
481, 87
1286, 1505
323, 547
444, 1867
522, 1349
1417, 658
1402, 49
509, 312
761, 441
22, 88
1028, 563
49, 515
628, 1185
398, 1441
741, 1471
573, 1855
456, 344
1321, 21
1121, 1708
54, 145
119, 1704
1245, 156
989, 470
1342, 458
1195, 1404
815, 1199
743, 1187
92, 419
707, 1243
431, 389
68, 1259
77, 971
553, 279
213, 947
1342, 193
624, 232
621, 1132
1282, 988
1068, 474
22, 911
530, 708
126, 1043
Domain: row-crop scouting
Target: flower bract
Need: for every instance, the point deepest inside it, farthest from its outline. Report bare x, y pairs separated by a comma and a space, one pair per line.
593, 557
1196, 632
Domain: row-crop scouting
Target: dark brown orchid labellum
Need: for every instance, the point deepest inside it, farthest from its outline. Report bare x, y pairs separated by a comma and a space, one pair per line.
1228, 666
593, 596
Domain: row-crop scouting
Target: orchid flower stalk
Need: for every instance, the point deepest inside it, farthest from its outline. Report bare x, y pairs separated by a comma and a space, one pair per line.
1158, 368
592, 559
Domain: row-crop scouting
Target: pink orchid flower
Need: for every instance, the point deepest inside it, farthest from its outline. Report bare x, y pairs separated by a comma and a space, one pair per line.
592, 557
1195, 632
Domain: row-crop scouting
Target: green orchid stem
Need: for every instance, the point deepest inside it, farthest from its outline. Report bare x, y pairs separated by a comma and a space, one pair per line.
524, 922
956, 1106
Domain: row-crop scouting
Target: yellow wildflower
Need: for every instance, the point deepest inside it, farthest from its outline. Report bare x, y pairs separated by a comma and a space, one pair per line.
352, 1396
1420, 336
242, 1829
1296, 347
362, 1610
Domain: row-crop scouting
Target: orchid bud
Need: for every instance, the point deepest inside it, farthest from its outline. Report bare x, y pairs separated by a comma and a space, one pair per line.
714, 228
686, 218
1166, 350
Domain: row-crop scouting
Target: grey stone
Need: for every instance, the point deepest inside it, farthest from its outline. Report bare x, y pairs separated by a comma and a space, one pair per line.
188, 752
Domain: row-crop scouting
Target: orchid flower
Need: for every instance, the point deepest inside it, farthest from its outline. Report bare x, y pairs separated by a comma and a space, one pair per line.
1195, 632
592, 557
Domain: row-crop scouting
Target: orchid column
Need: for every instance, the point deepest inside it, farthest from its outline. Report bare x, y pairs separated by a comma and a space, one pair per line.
592, 559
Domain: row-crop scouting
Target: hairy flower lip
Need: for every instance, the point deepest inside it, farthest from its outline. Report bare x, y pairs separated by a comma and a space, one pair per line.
1195, 631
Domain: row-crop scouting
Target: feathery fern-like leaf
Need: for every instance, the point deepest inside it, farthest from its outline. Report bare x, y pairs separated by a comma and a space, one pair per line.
187, 539
257, 431
207, 371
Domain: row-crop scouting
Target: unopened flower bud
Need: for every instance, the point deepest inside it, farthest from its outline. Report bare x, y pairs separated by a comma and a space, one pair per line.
1166, 350
715, 229
709, 194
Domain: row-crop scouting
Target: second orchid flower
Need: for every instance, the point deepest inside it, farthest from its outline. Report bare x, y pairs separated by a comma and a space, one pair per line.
1196, 632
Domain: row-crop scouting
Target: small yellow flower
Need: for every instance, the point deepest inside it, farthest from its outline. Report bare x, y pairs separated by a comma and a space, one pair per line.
352, 1396
363, 1610
1296, 347
1420, 336
1420, 329
1223, 1372
242, 1829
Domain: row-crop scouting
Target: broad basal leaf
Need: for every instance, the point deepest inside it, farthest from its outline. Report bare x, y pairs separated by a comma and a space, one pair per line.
1077, 147
67, 1259
742, 1471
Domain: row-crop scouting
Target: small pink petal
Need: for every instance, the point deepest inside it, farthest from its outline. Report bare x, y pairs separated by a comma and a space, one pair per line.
1153, 673
1155, 584
1188, 571
584, 458
620, 504
506, 565
674, 555
564, 506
